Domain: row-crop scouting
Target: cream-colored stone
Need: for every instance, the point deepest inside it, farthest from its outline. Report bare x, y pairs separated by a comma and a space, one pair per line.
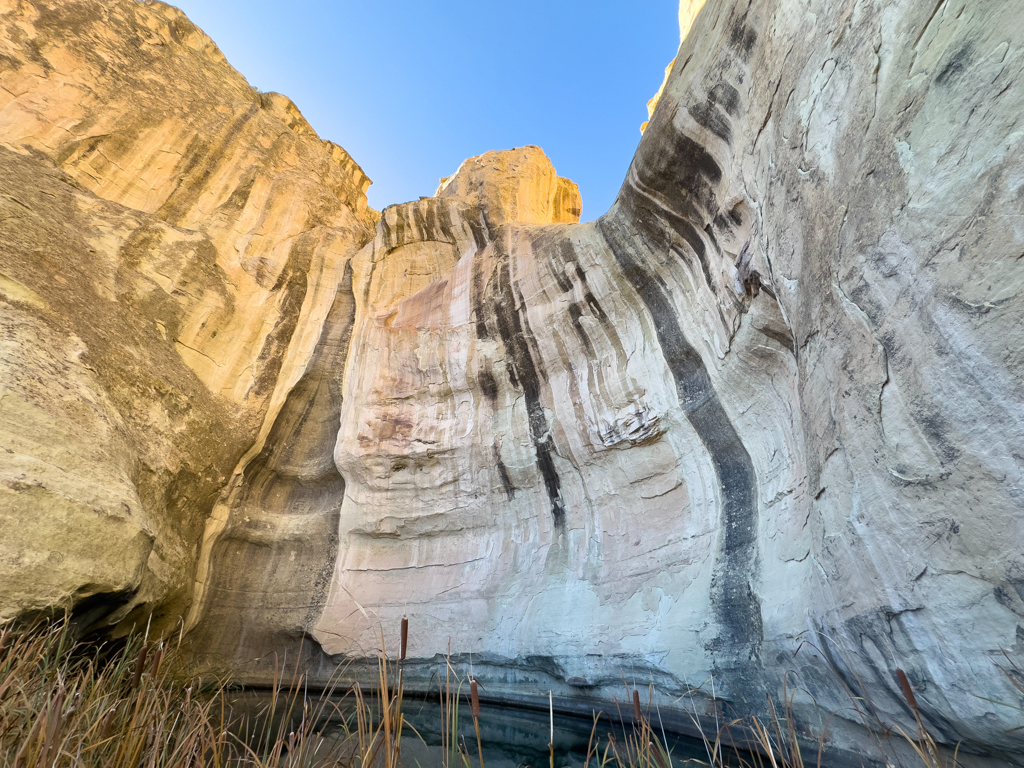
190, 235
187, 139
518, 185
757, 423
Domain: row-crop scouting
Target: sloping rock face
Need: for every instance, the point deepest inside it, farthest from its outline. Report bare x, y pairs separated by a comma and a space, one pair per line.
763, 418
273, 542
767, 403
170, 239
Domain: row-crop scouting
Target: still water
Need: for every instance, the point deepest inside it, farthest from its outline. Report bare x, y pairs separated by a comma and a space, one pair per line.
518, 737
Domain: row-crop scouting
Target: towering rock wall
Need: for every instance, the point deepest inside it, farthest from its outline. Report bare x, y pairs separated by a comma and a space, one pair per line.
171, 241
771, 397
760, 419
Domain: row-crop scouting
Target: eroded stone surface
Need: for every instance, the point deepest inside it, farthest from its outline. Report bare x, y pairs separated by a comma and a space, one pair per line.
772, 396
171, 242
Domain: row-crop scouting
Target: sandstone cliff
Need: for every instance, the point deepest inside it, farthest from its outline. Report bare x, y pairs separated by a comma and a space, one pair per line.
771, 401
170, 240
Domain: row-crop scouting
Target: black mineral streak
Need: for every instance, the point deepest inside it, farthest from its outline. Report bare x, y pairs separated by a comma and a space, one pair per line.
668, 197
506, 481
736, 607
499, 302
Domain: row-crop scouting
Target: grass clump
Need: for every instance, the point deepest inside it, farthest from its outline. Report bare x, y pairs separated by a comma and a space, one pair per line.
62, 704
65, 704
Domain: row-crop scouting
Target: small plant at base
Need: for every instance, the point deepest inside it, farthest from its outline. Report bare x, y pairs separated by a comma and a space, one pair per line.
924, 745
451, 754
64, 703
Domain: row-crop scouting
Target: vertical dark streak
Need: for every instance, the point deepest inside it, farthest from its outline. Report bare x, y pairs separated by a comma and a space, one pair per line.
735, 606
646, 209
709, 116
574, 317
523, 373
726, 96
558, 270
506, 481
565, 264
422, 221
488, 384
200, 166
476, 298
672, 178
479, 236
431, 216
444, 219
385, 232
399, 229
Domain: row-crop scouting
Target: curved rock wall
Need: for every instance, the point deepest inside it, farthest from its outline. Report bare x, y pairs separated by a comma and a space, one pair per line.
758, 423
771, 397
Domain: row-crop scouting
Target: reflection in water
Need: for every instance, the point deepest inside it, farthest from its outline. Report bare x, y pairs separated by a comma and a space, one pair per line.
517, 737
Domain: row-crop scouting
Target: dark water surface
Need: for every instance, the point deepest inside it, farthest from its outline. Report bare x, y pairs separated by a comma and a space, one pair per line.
519, 737
510, 736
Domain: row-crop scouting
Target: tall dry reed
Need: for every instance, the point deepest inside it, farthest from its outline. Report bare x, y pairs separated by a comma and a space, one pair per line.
66, 704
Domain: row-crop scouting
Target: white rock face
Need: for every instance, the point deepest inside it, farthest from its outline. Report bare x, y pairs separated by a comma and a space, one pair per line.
773, 396
761, 422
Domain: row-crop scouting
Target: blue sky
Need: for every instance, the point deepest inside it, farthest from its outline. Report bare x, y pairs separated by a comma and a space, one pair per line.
411, 89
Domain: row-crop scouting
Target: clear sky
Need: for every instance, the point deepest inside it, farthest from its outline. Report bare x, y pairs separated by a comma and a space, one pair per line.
411, 88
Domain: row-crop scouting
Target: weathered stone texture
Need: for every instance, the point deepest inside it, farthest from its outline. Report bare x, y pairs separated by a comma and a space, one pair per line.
772, 396
770, 402
170, 238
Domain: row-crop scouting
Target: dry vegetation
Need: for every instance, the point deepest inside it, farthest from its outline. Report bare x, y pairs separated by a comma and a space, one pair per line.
64, 703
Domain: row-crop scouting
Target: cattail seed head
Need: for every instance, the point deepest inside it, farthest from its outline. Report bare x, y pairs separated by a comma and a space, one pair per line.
636, 706
474, 698
108, 721
908, 690
158, 658
140, 665
405, 636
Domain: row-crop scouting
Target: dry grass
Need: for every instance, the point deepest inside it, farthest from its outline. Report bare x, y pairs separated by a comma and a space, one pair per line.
64, 704
67, 704
641, 747
775, 742
772, 743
